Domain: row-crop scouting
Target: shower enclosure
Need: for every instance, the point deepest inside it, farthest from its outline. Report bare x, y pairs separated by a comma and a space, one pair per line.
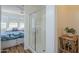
37, 31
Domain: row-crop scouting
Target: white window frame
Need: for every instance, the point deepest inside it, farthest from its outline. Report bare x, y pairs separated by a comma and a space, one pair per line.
3, 25
21, 25
13, 25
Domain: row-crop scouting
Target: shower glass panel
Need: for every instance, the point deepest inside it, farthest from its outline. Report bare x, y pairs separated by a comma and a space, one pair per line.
37, 31
32, 41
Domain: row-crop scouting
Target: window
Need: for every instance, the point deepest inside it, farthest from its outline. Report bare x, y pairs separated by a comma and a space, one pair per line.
21, 26
3, 25
13, 25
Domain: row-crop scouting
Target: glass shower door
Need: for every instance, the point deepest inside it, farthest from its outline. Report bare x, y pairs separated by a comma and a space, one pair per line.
32, 27
37, 31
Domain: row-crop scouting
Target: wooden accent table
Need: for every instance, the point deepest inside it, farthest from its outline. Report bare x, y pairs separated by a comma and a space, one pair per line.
68, 44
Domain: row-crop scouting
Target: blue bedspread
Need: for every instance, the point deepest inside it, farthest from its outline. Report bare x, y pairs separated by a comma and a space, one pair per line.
11, 35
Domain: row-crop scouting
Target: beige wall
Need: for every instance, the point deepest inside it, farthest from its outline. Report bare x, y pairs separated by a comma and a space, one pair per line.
67, 16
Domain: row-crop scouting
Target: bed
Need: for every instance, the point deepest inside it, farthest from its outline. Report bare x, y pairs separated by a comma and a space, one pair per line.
11, 38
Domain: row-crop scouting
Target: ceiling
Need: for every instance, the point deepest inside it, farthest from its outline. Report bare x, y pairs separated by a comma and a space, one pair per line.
12, 12
19, 9
29, 9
